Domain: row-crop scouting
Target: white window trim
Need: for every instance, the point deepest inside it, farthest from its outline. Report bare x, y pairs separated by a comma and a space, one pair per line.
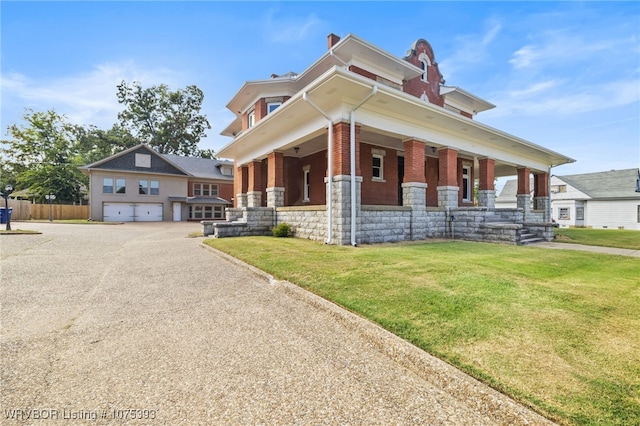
306, 185
378, 153
426, 63
467, 181
251, 118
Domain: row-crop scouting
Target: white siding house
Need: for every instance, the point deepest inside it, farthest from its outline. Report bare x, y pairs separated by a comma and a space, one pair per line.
597, 200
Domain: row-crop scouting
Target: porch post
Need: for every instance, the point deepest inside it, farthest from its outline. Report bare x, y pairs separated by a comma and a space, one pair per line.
448, 188
414, 187
486, 188
541, 199
524, 190
275, 179
254, 193
240, 184
341, 183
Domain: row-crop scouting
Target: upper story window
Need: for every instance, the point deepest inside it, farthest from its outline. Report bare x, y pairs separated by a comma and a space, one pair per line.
109, 188
251, 118
272, 106
425, 62
205, 189
226, 170
148, 187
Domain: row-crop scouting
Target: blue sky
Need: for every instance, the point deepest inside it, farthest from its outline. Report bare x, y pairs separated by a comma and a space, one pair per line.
564, 75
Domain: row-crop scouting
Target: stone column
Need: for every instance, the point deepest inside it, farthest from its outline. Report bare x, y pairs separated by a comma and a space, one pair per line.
486, 188
254, 193
240, 185
414, 187
275, 179
448, 188
523, 196
541, 197
342, 208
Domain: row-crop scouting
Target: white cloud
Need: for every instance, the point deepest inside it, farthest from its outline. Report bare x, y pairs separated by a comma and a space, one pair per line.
290, 29
470, 49
85, 98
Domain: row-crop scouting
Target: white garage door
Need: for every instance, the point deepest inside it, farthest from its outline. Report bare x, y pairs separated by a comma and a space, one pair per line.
147, 212
132, 212
117, 212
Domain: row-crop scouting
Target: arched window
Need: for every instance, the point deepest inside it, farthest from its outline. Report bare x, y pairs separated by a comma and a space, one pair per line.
425, 62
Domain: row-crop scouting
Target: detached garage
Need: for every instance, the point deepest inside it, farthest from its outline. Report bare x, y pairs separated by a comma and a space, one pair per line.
132, 212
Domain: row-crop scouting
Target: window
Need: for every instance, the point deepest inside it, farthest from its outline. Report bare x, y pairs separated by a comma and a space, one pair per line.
424, 64
205, 190
197, 211
226, 170
378, 164
558, 188
121, 186
579, 213
306, 182
251, 118
107, 186
466, 183
272, 106
148, 187
638, 213
563, 213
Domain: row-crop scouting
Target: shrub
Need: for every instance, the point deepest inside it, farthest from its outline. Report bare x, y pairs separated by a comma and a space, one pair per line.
282, 230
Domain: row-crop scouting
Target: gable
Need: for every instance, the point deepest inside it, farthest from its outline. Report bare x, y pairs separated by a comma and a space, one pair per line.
141, 160
606, 185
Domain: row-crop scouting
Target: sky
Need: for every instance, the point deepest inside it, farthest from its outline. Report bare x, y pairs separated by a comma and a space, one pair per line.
563, 75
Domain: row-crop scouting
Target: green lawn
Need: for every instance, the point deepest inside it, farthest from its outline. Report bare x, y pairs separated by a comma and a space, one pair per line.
619, 238
556, 330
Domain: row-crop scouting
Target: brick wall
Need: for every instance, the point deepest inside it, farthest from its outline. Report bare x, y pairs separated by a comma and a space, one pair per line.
376, 192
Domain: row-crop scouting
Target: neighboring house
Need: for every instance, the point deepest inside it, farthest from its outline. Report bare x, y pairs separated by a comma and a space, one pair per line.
139, 184
507, 197
366, 147
598, 200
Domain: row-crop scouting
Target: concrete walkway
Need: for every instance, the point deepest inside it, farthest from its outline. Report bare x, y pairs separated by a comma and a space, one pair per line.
593, 249
100, 320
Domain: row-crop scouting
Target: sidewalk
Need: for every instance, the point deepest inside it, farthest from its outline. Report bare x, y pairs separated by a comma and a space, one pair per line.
594, 249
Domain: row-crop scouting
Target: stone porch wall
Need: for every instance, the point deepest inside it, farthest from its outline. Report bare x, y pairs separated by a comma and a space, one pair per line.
384, 224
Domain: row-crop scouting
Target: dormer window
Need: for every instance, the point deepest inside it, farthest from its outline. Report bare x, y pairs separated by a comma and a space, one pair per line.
272, 106
425, 62
251, 118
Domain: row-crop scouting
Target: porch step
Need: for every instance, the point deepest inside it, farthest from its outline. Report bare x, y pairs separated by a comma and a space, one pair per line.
529, 238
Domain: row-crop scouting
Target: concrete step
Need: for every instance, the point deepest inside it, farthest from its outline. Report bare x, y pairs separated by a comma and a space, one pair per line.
529, 238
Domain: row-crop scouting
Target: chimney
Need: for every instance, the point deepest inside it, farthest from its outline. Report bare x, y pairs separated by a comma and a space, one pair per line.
332, 39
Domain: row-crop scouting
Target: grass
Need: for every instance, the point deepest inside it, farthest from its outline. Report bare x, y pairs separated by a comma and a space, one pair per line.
618, 238
555, 330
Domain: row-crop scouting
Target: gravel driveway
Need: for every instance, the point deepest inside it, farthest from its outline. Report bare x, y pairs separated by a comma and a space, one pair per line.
104, 323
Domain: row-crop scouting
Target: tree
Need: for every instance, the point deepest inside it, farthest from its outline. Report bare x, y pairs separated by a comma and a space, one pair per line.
170, 122
40, 156
95, 144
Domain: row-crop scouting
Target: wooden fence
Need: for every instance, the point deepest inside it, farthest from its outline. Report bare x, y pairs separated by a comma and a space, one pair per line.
24, 210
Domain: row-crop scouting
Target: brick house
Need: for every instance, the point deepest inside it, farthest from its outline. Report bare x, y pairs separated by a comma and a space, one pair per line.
366, 147
139, 184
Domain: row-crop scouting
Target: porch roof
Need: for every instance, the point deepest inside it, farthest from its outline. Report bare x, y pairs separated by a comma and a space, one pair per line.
386, 119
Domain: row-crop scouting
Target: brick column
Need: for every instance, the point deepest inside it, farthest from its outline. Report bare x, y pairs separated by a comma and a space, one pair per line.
448, 188
275, 179
523, 195
254, 192
541, 198
341, 149
414, 187
486, 188
240, 185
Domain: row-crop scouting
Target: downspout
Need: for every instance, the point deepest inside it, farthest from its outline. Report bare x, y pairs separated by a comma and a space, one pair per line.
305, 97
352, 149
